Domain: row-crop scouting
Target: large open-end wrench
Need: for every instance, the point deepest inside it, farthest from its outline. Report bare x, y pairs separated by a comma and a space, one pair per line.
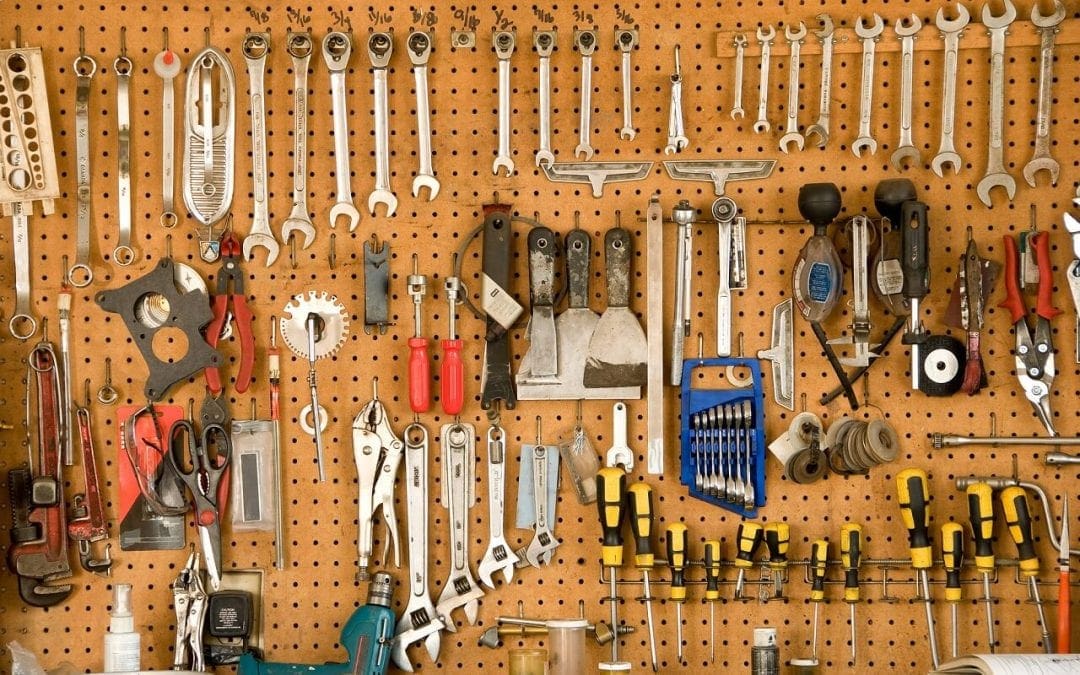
299, 221
544, 42
951, 30
336, 49
460, 589
543, 541
996, 176
585, 42
380, 49
419, 46
676, 139
869, 37
825, 37
765, 38
256, 48
1048, 28
625, 41
905, 149
619, 454
737, 111
503, 43
791, 131
499, 555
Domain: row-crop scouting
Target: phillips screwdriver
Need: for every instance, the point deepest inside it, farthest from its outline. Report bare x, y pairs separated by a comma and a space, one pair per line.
1064, 644
748, 540
912, 490
611, 499
819, 556
952, 552
641, 522
452, 374
1018, 518
712, 590
851, 555
981, 516
419, 369
676, 555
777, 538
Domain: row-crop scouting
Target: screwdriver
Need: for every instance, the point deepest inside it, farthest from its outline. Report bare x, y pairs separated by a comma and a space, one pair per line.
419, 370
952, 552
981, 515
1017, 517
641, 525
452, 373
676, 555
912, 491
851, 555
914, 262
1064, 644
712, 590
611, 498
777, 537
748, 540
819, 556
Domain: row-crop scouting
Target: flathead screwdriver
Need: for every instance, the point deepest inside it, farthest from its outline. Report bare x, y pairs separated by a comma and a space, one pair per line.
851, 556
1015, 505
912, 488
819, 558
419, 368
676, 555
952, 552
712, 590
611, 501
777, 540
747, 541
980, 498
641, 524
452, 372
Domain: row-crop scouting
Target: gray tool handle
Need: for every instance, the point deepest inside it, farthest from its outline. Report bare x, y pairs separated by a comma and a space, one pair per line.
617, 251
578, 256
542, 266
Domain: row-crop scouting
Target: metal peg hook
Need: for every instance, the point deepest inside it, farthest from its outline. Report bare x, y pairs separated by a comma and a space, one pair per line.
206, 35
678, 66
123, 42
618, 218
165, 39
82, 41
538, 431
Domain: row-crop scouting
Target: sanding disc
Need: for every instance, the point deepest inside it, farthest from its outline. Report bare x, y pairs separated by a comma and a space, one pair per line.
942, 369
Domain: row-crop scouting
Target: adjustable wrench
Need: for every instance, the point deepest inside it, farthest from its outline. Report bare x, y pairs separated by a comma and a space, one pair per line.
677, 139
503, 43
792, 135
543, 542
419, 46
499, 555
336, 49
1048, 29
256, 47
585, 42
619, 454
380, 49
906, 147
299, 221
765, 38
996, 176
869, 37
625, 40
544, 41
950, 33
460, 589
821, 127
737, 111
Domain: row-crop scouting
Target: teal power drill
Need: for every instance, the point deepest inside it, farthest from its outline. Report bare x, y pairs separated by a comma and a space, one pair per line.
367, 636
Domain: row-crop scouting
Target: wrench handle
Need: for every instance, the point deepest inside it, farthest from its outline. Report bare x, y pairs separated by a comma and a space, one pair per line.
341, 136
866, 87
948, 103
628, 110
423, 120
416, 495
763, 85
723, 291
496, 480
586, 101
1046, 82
452, 376
382, 131
504, 108
419, 375
300, 113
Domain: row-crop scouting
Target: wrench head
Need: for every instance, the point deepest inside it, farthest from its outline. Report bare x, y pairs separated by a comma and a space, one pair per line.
584, 152
459, 591
297, 225
906, 27
869, 32
540, 548
408, 633
827, 27
795, 35
1047, 21
346, 210
993, 180
544, 158
766, 36
905, 152
424, 181
737, 113
762, 127
676, 144
499, 556
503, 163
864, 143
623, 457
787, 139
820, 132
1041, 164
381, 196
266, 241
943, 158
963, 17
1000, 21
627, 133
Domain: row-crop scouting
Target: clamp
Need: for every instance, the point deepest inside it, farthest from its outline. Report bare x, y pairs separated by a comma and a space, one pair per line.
239, 312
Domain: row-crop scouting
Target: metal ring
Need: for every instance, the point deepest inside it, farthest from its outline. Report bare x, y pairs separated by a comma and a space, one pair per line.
123, 255
123, 66
20, 319
308, 428
107, 394
80, 268
168, 220
81, 67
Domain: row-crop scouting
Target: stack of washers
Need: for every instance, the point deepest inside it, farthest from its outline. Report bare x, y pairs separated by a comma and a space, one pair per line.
854, 446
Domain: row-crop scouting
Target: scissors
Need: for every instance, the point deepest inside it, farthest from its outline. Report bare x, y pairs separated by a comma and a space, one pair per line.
190, 460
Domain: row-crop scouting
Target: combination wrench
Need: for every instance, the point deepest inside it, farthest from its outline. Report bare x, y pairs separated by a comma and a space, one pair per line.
585, 42
499, 555
337, 49
906, 149
825, 37
504, 43
22, 324
419, 46
1048, 28
996, 176
123, 254
298, 222
951, 30
737, 111
791, 132
544, 42
460, 589
765, 39
677, 139
380, 49
167, 66
256, 48
81, 274
869, 37
626, 39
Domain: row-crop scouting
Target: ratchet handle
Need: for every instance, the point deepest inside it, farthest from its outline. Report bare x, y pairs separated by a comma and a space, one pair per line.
452, 376
419, 375
1013, 300
1044, 303
915, 261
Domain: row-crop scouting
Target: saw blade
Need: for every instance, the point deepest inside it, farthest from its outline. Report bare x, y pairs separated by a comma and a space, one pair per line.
333, 318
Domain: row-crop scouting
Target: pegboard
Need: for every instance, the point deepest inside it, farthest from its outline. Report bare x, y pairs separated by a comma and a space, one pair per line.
306, 604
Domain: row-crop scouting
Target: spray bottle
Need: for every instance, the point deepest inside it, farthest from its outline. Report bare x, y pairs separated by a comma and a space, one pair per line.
123, 645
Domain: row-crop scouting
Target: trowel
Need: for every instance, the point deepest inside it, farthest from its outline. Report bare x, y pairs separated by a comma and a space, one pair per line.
618, 350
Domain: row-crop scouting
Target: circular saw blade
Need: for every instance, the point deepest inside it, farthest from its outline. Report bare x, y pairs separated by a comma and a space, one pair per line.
335, 324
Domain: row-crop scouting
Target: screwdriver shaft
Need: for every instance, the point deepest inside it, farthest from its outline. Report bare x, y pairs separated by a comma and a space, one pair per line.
813, 643
955, 638
927, 602
989, 612
712, 631
678, 630
854, 656
649, 618
1044, 629
614, 605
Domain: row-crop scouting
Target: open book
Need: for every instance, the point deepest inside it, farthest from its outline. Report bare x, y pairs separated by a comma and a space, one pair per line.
1013, 664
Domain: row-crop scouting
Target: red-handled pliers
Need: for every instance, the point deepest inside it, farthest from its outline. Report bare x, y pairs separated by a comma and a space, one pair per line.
230, 272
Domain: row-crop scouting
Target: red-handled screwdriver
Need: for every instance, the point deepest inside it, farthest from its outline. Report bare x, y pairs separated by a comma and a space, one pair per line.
419, 369
452, 373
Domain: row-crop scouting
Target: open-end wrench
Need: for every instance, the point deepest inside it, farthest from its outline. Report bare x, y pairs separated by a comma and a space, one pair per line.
737, 111
503, 43
299, 221
499, 555
543, 541
544, 43
676, 139
905, 149
821, 127
380, 49
1048, 28
336, 49
996, 176
791, 131
625, 41
951, 30
619, 454
585, 42
419, 46
765, 38
460, 589
256, 48
869, 37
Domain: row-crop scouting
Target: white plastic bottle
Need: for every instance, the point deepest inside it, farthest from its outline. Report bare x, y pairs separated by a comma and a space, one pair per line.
123, 645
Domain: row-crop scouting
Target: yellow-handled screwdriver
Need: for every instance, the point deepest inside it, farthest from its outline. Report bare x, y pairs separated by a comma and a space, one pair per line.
747, 540
777, 540
913, 492
611, 502
952, 552
981, 516
1015, 505
819, 557
676, 555
712, 590
641, 523
851, 555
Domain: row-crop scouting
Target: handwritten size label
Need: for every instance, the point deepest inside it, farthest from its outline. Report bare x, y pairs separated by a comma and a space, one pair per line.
379, 18
298, 17
542, 15
502, 22
467, 19
341, 19
584, 17
259, 16
422, 17
624, 16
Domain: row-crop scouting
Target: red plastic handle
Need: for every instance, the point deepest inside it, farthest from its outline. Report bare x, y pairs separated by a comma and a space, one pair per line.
213, 332
1044, 301
419, 375
1064, 628
1013, 300
243, 318
453, 377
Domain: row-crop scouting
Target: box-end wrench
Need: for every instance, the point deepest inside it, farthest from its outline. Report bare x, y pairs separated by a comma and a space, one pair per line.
167, 66
585, 42
737, 111
1048, 28
619, 454
256, 48
336, 49
869, 37
22, 324
419, 46
503, 42
543, 541
951, 30
460, 589
499, 555
996, 176
825, 37
299, 222
765, 39
791, 131
677, 139
724, 212
626, 39
123, 254
380, 48
544, 42
81, 274
906, 31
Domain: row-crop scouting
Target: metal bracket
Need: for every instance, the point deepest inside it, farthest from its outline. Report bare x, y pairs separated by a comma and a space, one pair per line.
597, 174
720, 171
376, 286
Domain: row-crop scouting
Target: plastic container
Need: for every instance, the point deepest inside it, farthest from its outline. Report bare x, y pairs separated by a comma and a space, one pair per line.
528, 662
567, 641
123, 646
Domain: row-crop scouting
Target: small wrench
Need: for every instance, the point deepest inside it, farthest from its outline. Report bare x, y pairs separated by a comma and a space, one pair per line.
256, 48
544, 42
996, 176
499, 555
299, 221
625, 40
619, 454
419, 46
544, 541
585, 42
380, 49
737, 111
337, 48
765, 38
821, 127
1048, 28
906, 147
868, 36
950, 33
460, 589
791, 132
677, 139
504, 42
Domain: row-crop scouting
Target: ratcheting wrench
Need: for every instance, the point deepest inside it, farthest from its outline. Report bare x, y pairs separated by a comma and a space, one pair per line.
299, 47
950, 33
503, 43
81, 274
906, 149
167, 66
765, 38
996, 175
737, 111
677, 139
585, 41
419, 46
625, 40
336, 49
256, 48
543, 541
1048, 28
123, 254
821, 127
619, 454
544, 42
380, 49
869, 37
791, 132
460, 589
499, 555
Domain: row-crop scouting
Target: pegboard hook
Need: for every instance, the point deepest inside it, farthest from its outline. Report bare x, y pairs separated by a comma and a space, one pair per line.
82, 41
18, 36
123, 42
165, 38
539, 435
206, 35
993, 424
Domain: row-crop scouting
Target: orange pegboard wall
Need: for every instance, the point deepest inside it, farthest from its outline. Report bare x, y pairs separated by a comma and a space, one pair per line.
306, 605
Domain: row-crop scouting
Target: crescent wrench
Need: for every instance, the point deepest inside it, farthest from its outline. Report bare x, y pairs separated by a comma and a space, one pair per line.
950, 32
